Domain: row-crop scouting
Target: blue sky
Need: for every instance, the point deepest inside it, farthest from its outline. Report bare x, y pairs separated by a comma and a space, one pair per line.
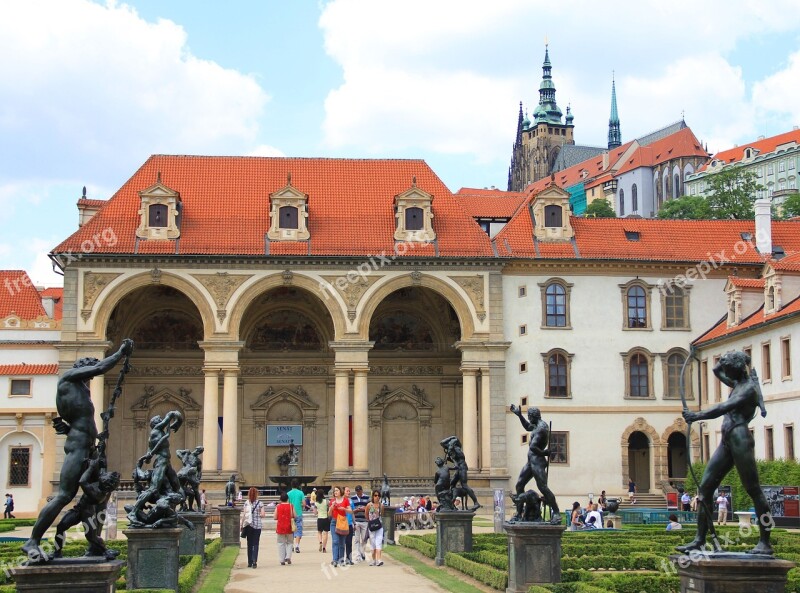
90, 89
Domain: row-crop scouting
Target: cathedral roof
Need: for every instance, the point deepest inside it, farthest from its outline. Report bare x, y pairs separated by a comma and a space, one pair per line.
226, 208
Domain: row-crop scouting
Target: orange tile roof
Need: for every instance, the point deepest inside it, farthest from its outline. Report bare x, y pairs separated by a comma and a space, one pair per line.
682, 143
659, 240
764, 146
790, 263
28, 369
490, 203
753, 322
746, 282
226, 207
19, 295
92, 203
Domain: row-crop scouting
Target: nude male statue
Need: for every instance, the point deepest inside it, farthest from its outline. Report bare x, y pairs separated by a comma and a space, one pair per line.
76, 421
737, 448
455, 453
190, 475
162, 476
538, 460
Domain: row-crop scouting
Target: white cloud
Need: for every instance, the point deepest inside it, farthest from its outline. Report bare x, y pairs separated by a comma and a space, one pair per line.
96, 88
779, 92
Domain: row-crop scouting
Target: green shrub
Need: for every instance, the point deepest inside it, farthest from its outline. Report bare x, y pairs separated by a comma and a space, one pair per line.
212, 549
497, 579
189, 574
418, 543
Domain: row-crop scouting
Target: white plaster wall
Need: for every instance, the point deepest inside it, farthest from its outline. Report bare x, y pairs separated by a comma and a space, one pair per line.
26, 499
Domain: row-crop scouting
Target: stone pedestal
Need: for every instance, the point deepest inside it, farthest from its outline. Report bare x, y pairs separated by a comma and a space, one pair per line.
387, 518
616, 521
153, 558
534, 555
229, 525
702, 572
194, 542
69, 575
453, 533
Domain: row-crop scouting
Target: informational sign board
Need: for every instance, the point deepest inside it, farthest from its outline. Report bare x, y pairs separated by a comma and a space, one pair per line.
499, 509
281, 435
783, 500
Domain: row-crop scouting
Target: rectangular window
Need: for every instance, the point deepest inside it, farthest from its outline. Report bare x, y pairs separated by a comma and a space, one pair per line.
791, 163
788, 440
523, 402
523, 291
717, 383
770, 169
559, 447
706, 447
781, 167
749, 351
786, 358
19, 465
760, 171
158, 215
20, 387
704, 381
525, 439
523, 367
766, 363
675, 308
523, 330
769, 444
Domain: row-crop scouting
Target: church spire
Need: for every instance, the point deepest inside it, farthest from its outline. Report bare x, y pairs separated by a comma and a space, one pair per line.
547, 111
614, 134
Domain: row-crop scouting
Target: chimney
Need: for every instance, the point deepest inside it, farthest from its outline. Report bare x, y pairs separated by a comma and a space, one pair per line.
763, 226
49, 305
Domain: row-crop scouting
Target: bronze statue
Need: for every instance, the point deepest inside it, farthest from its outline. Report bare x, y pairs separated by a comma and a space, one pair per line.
538, 462
529, 507
735, 450
76, 421
230, 491
441, 486
455, 453
163, 481
190, 475
386, 492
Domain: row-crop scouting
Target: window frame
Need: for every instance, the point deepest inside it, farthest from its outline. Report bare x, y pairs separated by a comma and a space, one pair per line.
704, 381
667, 291
565, 435
152, 209
285, 208
769, 443
717, 382
766, 362
788, 441
11, 449
567, 357
786, 358
567, 288
666, 374
649, 358
648, 289
12, 380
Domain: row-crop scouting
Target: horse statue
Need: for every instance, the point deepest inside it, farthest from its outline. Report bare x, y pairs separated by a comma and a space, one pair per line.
230, 491
386, 492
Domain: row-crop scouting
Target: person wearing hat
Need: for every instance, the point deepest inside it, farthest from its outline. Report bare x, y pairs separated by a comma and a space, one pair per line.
358, 502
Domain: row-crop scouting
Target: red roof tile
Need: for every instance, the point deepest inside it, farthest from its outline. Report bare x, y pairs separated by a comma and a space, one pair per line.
753, 322
790, 263
658, 240
490, 203
682, 143
19, 295
28, 369
92, 203
226, 207
57, 294
746, 282
764, 146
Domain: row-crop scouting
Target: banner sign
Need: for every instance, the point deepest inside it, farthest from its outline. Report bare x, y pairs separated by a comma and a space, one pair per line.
281, 435
784, 501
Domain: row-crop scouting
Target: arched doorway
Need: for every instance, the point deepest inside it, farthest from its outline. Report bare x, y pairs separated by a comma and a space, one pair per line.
639, 460
677, 455
167, 370
415, 391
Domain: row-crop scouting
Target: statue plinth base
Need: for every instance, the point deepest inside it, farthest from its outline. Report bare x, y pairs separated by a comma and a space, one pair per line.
616, 521
453, 533
153, 558
87, 575
293, 469
193, 542
387, 518
534, 554
704, 572
229, 525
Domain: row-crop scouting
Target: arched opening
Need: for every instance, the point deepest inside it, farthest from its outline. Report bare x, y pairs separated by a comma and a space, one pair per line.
414, 381
166, 328
639, 460
677, 456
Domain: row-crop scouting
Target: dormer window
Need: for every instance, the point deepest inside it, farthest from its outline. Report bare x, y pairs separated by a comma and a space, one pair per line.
414, 215
159, 212
288, 214
551, 214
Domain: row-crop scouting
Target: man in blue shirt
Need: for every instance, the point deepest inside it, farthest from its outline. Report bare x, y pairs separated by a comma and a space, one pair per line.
296, 497
358, 502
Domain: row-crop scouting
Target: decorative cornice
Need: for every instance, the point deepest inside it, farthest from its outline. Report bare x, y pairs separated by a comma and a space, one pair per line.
406, 369
284, 369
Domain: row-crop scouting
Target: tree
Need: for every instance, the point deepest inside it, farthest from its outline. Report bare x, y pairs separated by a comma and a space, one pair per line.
686, 208
791, 205
600, 208
732, 192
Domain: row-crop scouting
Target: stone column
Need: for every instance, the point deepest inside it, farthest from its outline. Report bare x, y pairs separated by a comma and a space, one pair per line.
230, 426
96, 390
210, 422
341, 410
360, 423
469, 437
486, 425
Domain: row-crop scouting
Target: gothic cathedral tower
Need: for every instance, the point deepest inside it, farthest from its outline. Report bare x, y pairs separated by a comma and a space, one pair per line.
538, 142
614, 135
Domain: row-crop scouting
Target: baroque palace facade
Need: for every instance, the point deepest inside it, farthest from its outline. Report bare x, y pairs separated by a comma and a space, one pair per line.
366, 304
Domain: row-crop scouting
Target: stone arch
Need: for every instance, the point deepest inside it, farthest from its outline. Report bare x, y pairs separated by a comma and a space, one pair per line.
381, 290
677, 427
641, 425
23, 431
109, 301
329, 301
33, 493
